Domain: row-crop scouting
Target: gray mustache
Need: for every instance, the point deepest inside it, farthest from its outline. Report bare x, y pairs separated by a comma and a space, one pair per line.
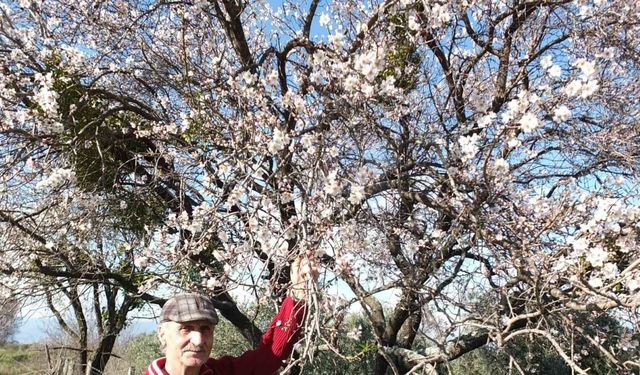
193, 349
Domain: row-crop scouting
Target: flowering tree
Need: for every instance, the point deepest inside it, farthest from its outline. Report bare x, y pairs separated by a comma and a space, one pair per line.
466, 171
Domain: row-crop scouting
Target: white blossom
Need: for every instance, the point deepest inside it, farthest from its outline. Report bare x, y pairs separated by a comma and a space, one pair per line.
45, 95
486, 120
554, 71
368, 64
562, 264
357, 194
412, 23
546, 62
221, 151
514, 142
596, 282
332, 184
469, 145
223, 236
440, 13
579, 245
597, 256
626, 243
316, 77
57, 177
333, 151
529, 122
589, 88
610, 271
324, 19
271, 78
141, 261
308, 141
355, 333
336, 39
213, 283
368, 90
351, 83
279, 141
587, 68
387, 86
634, 283
501, 165
561, 113
573, 88
437, 233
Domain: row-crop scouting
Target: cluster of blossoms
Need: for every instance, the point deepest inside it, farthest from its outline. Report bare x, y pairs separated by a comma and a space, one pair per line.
56, 178
553, 70
586, 84
45, 95
279, 141
603, 242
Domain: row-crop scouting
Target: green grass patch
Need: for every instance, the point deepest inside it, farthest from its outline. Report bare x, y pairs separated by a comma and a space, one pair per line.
16, 353
18, 359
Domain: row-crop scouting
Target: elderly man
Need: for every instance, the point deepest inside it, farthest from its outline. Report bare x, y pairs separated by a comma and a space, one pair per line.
188, 321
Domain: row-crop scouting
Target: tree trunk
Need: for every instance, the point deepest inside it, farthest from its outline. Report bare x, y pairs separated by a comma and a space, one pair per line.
407, 335
380, 366
102, 354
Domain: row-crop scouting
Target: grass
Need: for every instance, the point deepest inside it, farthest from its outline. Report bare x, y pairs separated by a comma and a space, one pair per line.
21, 359
31, 359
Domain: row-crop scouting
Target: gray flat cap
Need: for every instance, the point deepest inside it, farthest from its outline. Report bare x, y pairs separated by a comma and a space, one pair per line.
188, 307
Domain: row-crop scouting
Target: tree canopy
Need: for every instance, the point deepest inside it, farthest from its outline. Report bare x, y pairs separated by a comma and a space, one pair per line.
467, 172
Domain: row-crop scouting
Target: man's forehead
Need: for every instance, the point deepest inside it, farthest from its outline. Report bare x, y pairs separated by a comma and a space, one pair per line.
200, 323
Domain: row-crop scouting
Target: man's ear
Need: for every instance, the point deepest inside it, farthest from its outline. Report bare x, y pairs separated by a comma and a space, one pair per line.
160, 331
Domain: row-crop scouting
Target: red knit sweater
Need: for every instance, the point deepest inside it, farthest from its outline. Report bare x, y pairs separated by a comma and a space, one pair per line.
275, 346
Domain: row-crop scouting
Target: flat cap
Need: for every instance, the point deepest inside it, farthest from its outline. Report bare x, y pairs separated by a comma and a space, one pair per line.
187, 307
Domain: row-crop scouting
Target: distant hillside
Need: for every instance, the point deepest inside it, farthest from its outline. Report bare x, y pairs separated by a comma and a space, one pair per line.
37, 329
34, 330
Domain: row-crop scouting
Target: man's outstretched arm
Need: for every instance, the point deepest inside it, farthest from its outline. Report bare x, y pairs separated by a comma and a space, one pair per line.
284, 331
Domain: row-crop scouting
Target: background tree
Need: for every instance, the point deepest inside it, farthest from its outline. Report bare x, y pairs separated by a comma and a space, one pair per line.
141, 350
471, 165
9, 321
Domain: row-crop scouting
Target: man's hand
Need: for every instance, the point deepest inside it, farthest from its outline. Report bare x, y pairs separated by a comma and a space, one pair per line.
304, 271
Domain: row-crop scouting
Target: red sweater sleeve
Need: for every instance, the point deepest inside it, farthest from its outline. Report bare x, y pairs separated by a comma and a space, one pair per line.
275, 345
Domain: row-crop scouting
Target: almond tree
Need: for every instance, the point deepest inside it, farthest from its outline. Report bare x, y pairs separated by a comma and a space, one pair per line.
466, 170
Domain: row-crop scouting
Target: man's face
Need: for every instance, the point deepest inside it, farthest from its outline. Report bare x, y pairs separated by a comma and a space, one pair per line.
187, 344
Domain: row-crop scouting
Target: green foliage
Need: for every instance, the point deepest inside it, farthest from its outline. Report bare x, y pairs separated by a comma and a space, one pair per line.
403, 57
141, 350
357, 352
105, 162
192, 274
535, 355
481, 361
196, 132
227, 339
98, 142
